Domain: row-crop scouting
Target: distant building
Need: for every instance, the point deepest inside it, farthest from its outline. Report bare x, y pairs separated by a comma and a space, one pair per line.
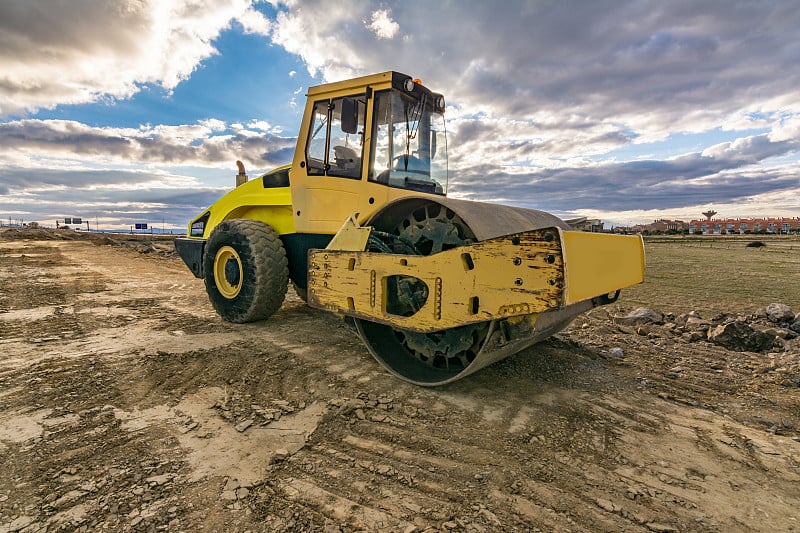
723, 226
659, 226
664, 225
627, 230
594, 225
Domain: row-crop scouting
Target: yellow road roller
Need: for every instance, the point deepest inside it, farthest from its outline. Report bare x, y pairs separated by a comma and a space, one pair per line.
360, 223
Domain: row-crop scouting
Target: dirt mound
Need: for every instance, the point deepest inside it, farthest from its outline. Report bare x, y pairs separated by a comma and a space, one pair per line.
161, 245
42, 234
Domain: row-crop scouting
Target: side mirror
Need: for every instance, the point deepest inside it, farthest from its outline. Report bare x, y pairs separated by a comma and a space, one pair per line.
349, 115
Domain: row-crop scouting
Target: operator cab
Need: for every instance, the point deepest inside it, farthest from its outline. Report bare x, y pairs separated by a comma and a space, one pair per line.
407, 140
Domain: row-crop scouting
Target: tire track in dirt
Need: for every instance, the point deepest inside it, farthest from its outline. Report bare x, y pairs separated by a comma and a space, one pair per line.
136, 409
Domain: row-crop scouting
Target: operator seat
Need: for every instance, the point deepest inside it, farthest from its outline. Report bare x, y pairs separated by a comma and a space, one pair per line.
346, 157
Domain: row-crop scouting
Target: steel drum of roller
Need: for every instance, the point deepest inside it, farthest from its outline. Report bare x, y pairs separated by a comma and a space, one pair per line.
426, 226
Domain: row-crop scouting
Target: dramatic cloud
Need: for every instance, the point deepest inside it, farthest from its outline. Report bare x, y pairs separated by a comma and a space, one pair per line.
610, 108
54, 168
82, 50
545, 89
649, 67
208, 143
692, 179
112, 199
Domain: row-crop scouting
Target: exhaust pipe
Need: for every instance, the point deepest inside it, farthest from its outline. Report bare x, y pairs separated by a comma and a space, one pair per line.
241, 177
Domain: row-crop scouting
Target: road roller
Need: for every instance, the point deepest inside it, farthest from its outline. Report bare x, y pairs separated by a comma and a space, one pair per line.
360, 224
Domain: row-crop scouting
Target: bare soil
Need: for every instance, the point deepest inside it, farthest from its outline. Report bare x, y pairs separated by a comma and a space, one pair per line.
126, 404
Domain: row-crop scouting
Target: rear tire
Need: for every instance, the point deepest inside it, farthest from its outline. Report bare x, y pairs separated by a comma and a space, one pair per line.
245, 270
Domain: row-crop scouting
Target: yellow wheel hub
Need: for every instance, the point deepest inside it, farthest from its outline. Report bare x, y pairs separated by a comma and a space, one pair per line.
228, 272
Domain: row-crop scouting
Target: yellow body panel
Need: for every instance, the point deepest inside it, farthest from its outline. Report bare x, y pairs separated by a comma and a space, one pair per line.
599, 263
350, 236
508, 276
253, 201
498, 278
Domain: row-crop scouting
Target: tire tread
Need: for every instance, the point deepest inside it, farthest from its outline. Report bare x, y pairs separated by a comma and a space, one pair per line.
264, 282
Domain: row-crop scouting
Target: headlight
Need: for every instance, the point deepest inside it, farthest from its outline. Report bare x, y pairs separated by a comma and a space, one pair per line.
199, 225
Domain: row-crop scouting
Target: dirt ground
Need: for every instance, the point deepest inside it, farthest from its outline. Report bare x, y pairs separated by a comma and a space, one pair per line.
126, 404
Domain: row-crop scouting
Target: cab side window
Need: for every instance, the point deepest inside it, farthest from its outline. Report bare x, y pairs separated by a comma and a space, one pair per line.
335, 144
315, 150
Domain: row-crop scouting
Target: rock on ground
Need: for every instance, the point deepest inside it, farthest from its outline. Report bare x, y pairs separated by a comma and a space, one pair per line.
740, 337
640, 316
778, 312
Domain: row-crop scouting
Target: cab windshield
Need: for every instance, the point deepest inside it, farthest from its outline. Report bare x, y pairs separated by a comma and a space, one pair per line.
409, 146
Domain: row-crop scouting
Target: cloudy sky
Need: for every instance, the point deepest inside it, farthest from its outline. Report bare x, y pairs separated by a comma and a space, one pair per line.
125, 111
